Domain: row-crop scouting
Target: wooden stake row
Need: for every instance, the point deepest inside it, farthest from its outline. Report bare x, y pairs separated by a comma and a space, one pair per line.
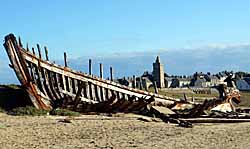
65, 59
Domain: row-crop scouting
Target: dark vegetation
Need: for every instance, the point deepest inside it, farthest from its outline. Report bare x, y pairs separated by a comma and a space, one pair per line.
28, 110
64, 112
12, 96
14, 101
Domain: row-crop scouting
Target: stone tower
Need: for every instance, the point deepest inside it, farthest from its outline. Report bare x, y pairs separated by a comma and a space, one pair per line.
158, 73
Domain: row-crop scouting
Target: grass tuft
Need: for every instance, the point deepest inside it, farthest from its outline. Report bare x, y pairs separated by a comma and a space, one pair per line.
28, 110
64, 112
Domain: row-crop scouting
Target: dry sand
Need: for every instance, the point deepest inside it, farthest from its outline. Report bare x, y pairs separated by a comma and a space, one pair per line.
117, 132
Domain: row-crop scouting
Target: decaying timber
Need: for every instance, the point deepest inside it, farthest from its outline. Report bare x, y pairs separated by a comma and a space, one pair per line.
51, 86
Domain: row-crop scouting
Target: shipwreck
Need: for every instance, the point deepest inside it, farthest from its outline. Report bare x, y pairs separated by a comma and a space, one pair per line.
51, 86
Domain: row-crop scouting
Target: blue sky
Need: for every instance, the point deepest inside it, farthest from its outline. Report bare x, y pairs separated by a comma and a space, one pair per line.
102, 27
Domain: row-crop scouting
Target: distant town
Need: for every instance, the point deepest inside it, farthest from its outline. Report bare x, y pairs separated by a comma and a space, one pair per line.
197, 80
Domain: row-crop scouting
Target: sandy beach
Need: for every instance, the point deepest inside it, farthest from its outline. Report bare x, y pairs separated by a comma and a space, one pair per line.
96, 131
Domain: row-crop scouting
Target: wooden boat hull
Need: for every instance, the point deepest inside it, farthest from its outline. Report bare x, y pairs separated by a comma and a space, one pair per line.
50, 85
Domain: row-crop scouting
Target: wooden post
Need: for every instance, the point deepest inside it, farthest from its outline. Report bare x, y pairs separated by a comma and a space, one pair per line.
46, 53
65, 60
20, 42
27, 47
39, 51
90, 67
101, 71
33, 51
111, 74
155, 87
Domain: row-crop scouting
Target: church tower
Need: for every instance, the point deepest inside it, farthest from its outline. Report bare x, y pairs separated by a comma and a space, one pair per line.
158, 73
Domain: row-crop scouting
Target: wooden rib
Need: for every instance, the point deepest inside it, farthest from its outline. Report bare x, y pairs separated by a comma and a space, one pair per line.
39, 51
65, 60
97, 93
111, 74
86, 90
32, 74
56, 84
124, 107
67, 83
51, 82
90, 67
101, 71
40, 80
118, 95
20, 42
27, 47
107, 106
75, 85
116, 106
58, 81
92, 86
78, 94
102, 94
33, 51
47, 85
64, 82
82, 98
107, 93
70, 84
142, 103
46, 53
90, 91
